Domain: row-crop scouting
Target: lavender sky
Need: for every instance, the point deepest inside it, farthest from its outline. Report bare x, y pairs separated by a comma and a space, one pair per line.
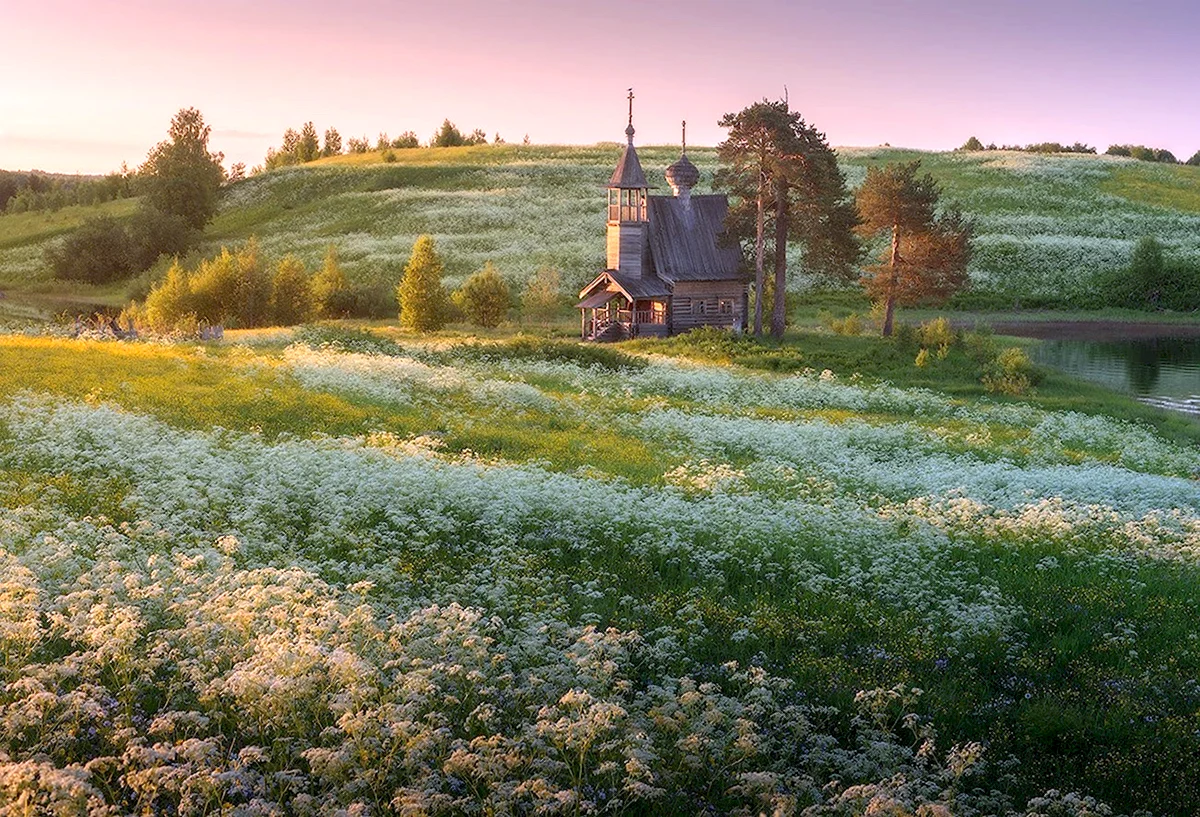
88, 84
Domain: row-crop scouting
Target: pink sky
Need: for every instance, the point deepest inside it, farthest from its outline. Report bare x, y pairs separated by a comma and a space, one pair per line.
88, 85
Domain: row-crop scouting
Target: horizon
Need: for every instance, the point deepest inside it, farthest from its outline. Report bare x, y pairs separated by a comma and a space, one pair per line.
1062, 71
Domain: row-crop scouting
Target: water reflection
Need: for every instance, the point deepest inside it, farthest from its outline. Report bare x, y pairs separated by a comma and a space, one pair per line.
1166, 367
1143, 364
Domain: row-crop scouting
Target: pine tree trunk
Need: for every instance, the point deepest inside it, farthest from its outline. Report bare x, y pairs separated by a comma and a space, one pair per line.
779, 308
889, 309
758, 259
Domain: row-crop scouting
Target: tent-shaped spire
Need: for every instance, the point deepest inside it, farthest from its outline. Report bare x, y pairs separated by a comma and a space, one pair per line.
629, 173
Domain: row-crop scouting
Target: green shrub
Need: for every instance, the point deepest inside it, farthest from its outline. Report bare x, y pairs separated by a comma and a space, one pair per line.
850, 325
153, 233
170, 301
99, 251
552, 351
484, 298
331, 291
937, 332
422, 299
253, 289
542, 295
347, 339
217, 289
1010, 372
291, 293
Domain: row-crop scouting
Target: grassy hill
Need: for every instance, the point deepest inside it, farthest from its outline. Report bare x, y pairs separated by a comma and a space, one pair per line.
1047, 224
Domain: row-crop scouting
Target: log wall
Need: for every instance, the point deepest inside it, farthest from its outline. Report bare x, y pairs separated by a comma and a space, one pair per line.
707, 303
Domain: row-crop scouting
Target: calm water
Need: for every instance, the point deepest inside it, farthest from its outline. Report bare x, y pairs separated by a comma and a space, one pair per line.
1164, 371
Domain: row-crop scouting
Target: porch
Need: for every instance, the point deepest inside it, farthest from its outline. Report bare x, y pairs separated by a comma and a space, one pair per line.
610, 316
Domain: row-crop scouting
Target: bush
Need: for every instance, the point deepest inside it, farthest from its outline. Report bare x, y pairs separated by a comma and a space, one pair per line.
542, 295
485, 298
99, 251
170, 301
331, 291
852, 324
254, 287
347, 339
216, 289
153, 233
422, 299
554, 351
291, 293
103, 250
1010, 372
937, 332
1146, 267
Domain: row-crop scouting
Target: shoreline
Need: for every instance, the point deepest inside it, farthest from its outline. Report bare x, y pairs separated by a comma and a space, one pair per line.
1092, 330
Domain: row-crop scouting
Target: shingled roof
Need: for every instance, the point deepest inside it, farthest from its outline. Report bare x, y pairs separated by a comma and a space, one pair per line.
684, 239
633, 287
629, 170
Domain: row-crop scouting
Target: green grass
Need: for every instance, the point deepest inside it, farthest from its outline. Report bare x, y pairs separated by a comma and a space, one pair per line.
1171, 187
1054, 692
211, 385
1046, 226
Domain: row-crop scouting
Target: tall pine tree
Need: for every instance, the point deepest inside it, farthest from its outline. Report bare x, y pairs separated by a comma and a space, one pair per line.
927, 258
783, 173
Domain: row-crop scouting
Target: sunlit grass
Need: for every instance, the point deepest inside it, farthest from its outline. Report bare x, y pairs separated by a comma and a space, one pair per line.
1171, 187
568, 482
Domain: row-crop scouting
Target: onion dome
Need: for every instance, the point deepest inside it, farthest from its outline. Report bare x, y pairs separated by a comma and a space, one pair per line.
683, 175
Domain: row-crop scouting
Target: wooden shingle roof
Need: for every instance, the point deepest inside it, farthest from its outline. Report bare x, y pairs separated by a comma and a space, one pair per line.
684, 239
629, 170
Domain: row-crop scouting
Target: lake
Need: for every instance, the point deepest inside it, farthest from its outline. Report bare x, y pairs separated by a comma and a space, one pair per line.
1163, 371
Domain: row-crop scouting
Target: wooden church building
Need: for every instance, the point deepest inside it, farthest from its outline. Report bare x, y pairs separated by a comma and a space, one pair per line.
666, 272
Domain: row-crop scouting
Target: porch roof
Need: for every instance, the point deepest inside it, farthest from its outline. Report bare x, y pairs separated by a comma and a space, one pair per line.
649, 286
596, 299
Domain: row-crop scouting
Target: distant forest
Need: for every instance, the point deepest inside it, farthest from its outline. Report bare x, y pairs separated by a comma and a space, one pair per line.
304, 145
22, 192
1140, 152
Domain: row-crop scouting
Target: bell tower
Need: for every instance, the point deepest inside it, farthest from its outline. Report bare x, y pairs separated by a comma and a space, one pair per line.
627, 216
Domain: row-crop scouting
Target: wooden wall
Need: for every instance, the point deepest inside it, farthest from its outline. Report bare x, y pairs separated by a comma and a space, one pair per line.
699, 303
627, 247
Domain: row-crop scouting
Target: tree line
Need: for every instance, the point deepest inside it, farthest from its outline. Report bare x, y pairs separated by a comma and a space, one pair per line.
304, 145
26, 192
244, 289
1140, 152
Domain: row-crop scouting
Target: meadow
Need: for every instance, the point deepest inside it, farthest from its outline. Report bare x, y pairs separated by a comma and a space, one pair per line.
1047, 225
332, 571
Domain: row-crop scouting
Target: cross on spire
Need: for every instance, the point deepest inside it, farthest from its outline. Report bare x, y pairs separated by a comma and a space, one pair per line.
629, 129
684, 151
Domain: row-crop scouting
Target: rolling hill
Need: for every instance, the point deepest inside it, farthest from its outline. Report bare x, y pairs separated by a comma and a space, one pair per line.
1046, 224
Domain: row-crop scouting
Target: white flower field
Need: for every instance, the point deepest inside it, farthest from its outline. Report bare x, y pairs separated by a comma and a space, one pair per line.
361, 578
1045, 225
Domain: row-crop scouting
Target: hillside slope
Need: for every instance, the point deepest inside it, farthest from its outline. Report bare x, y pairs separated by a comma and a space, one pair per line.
1047, 224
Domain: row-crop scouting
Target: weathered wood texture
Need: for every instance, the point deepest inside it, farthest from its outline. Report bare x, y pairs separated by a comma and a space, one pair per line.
707, 303
684, 240
627, 248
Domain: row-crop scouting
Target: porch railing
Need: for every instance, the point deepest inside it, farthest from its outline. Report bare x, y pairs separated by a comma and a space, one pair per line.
650, 316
